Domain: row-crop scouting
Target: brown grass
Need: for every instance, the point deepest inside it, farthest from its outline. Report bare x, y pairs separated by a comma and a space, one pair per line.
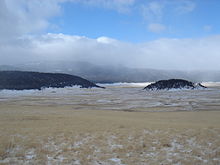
62, 135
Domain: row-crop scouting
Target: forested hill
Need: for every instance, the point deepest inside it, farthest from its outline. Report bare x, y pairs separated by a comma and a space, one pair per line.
19, 80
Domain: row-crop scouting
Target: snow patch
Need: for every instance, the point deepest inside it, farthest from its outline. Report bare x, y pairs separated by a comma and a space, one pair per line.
117, 161
30, 154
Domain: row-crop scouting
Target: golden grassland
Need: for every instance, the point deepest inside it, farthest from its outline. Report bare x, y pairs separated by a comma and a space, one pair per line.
38, 134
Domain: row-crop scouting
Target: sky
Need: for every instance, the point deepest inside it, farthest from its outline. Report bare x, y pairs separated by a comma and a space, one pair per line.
158, 34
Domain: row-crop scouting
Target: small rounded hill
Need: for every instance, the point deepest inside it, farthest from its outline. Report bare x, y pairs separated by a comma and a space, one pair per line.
173, 84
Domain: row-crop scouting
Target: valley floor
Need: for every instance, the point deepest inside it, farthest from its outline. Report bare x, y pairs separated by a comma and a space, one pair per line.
61, 134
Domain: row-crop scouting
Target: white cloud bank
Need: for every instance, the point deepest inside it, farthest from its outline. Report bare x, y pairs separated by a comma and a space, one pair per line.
185, 54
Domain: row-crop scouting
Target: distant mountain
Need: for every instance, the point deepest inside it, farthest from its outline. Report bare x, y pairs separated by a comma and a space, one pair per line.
19, 80
8, 67
111, 74
173, 84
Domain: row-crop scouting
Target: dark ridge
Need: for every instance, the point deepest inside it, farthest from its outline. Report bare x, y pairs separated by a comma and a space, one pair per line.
173, 84
112, 74
20, 80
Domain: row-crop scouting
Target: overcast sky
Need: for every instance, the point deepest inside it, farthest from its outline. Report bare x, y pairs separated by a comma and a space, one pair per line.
163, 34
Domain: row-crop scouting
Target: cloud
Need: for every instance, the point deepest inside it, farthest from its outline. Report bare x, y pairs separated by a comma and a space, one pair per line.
153, 11
18, 18
185, 6
182, 54
122, 6
207, 28
157, 10
21, 41
22, 17
156, 28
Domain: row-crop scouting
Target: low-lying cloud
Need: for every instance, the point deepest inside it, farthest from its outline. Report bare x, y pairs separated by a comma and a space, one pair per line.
182, 54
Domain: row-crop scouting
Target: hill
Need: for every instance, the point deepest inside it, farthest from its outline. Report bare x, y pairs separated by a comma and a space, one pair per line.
19, 80
173, 84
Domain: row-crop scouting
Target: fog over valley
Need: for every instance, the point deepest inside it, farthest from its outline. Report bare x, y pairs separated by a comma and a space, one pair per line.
109, 60
163, 54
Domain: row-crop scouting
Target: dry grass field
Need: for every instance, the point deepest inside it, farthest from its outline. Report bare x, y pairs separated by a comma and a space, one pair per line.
62, 135
115, 126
